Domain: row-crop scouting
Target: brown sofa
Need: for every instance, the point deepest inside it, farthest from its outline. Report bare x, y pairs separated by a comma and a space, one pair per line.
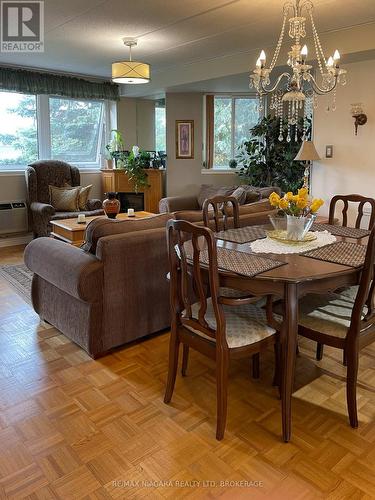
112, 291
253, 211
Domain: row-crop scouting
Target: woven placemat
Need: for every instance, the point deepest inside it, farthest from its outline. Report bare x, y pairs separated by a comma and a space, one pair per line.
242, 263
342, 252
345, 232
242, 234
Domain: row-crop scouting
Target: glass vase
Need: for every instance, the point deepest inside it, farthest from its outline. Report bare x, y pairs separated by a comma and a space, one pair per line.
278, 222
297, 227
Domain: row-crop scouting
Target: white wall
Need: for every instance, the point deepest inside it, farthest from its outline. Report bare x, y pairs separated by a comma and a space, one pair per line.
136, 122
184, 177
352, 168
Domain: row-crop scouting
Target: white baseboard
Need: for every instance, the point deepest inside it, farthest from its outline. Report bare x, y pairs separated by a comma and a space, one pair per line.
12, 241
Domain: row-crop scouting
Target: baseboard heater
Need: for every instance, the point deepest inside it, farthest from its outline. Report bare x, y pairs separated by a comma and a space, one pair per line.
13, 217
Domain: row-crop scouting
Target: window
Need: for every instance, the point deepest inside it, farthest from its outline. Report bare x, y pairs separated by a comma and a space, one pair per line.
160, 128
45, 126
18, 130
234, 116
75, 130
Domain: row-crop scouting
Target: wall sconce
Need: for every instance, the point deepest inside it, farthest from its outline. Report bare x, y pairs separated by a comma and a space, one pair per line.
358, 115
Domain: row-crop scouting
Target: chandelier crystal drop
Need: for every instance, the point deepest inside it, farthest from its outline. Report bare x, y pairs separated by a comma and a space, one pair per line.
294, 93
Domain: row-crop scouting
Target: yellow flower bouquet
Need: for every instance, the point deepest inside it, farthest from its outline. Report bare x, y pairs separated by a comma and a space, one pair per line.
299, 205
300, 211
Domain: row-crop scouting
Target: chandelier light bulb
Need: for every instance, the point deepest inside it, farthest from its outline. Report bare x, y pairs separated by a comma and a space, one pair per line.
336, 55
330, 62
258, 64
304, 51
262, 57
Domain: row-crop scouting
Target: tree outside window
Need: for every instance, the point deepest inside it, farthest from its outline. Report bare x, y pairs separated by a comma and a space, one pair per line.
234, 116
18, 129
73, 134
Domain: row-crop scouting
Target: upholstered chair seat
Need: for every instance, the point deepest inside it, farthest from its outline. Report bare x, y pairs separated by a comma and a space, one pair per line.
245, 324
330, 313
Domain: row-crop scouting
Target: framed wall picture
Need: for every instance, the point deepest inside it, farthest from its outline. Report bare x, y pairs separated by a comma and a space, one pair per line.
184, 139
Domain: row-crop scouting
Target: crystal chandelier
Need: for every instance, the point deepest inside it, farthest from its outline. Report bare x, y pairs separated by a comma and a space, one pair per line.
294, 93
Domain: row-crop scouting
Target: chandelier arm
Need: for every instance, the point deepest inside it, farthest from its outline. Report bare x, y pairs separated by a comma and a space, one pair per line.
279, 44
270, 90
319, 90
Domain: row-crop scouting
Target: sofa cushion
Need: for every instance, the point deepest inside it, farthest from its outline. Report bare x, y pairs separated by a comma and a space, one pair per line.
84, 196
258, 206
65, 199
209, 190
240, 195
106, 227
197, 215
252, 194
266, 191
191, 215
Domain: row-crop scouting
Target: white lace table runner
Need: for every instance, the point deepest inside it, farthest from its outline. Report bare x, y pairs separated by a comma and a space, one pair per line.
269, 245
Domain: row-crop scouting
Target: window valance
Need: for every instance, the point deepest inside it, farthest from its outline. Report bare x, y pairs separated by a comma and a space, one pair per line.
35, 82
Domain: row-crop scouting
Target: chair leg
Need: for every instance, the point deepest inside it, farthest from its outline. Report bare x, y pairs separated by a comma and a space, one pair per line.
351, 386
276, 376
174, 345
255, 361
222, 364
185, 359
344, 360
319, 351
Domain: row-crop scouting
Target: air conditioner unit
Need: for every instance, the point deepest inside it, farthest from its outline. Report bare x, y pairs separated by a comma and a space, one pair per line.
13, 217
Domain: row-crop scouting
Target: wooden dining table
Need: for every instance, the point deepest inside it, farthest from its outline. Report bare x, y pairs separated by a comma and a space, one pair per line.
301, 275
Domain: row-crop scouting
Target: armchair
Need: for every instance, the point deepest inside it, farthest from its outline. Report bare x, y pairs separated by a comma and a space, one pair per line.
40, 175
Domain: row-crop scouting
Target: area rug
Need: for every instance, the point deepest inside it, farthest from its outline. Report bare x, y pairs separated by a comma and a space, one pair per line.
19, 277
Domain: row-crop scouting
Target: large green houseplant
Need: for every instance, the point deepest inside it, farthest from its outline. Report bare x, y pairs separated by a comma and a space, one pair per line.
134, 166
266, 161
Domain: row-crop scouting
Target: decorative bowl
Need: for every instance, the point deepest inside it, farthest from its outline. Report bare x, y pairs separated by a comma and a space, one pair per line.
282, 236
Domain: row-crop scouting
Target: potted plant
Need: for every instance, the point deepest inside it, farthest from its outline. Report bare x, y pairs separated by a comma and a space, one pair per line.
134, 168
114, 148
300, 211
144, 159
266, 161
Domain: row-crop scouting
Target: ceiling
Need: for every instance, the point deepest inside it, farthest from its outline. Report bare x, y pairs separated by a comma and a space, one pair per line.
84, 36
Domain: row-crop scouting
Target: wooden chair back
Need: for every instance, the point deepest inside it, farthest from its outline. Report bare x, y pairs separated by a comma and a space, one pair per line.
365, 294
186, 275
221, 212
352, 198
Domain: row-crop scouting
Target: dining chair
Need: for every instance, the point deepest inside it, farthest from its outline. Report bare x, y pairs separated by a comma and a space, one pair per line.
344, 320
352, 198
346, 200
219, 327
221, 212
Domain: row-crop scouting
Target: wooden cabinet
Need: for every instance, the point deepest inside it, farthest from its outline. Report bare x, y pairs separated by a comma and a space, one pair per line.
118, 181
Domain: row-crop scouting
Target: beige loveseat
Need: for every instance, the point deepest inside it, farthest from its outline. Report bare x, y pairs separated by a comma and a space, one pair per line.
254, 209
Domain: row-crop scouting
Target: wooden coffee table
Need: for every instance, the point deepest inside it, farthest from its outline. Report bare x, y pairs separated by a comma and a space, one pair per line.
70, 231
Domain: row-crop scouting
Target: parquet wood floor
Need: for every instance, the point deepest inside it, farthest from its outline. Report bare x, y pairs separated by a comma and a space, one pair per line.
74, 428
